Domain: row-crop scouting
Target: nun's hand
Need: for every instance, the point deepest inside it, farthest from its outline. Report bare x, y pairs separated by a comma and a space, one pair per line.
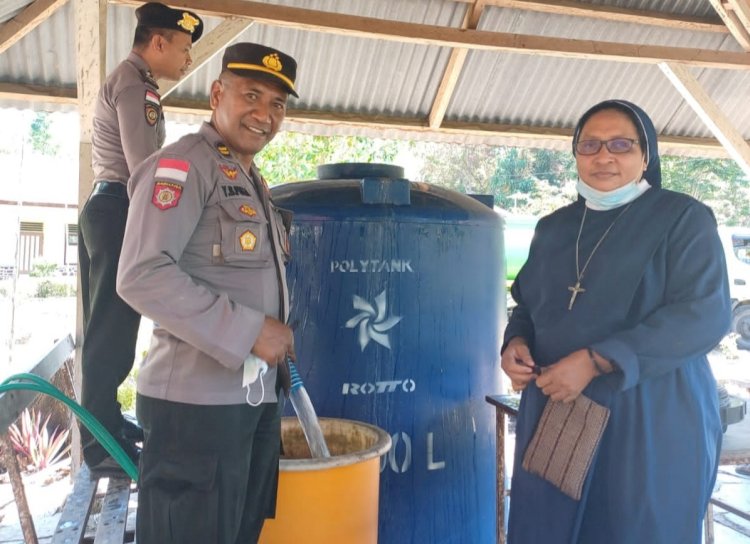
565, 379
518, 363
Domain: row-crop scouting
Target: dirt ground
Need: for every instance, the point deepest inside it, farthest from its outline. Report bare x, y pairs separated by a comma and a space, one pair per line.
45, 493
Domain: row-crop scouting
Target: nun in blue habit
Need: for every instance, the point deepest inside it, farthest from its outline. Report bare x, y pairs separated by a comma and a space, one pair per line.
624, 293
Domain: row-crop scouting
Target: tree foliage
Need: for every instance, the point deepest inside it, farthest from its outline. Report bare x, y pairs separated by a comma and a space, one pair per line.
522, 180
40, 137
719, 183
537, 181
292, 156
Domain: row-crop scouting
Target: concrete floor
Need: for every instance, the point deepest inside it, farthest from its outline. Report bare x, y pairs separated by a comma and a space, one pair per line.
732, 487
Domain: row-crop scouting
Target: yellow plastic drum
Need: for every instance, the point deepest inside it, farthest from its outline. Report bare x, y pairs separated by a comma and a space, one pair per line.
331, 500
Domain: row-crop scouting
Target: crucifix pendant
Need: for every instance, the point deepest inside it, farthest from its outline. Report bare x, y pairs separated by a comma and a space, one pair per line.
574, 289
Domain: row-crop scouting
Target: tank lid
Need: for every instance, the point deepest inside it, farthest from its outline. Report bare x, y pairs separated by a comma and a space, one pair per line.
358, 170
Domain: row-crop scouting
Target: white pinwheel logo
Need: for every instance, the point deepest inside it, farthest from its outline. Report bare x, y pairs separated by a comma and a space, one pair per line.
373, 323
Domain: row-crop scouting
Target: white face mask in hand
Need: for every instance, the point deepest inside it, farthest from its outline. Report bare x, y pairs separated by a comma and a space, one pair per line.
253, 369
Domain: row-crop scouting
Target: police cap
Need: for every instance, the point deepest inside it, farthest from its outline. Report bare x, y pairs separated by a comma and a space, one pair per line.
255, 60
156, 15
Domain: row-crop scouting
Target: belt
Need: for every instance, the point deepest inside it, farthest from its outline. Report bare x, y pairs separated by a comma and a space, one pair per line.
111, 188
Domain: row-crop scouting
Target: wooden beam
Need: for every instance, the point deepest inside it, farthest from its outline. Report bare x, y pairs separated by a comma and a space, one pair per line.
613, 14
738, 31
38, 93
447, 86
91, 47
741, 9
331, 123
453, 69
209, 45
719, 124
35, 13
367, 27
419, 129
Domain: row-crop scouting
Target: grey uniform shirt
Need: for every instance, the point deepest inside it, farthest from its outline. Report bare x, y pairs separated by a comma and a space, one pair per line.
204, 257
128, 121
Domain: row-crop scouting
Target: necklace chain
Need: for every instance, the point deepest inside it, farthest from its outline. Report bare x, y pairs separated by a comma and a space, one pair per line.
576, 289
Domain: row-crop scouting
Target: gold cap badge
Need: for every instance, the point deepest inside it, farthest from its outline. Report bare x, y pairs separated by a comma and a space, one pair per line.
188, 22
273, 62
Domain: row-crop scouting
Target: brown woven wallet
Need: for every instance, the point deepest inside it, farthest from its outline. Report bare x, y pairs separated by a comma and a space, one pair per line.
564, 443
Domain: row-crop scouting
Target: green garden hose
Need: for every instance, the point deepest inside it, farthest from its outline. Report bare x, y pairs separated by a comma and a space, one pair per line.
40, 385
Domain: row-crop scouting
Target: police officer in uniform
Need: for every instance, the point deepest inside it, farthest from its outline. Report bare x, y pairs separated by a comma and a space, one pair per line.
128, 126
204, 256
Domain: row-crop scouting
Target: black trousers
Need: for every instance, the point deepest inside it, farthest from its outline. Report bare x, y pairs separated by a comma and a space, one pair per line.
110, 326
207, 474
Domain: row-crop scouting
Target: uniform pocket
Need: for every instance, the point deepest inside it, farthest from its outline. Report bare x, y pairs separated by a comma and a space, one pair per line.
244, 233
180, 490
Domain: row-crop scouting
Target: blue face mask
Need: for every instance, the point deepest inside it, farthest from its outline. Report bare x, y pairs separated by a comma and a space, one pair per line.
607, 200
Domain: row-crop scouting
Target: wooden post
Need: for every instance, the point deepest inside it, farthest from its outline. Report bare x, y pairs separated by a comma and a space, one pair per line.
16, 483
91, 41
500, 415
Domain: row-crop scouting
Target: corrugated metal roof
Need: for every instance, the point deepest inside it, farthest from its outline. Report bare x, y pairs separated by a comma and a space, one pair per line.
11, 8
383, 79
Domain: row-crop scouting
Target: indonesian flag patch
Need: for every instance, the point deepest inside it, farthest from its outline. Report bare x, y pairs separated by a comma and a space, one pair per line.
153, 98
172, 169
166, 195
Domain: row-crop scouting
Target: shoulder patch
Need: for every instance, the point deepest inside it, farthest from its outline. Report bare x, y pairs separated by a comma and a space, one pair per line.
166, 195
152, 98
152, 114
172, 169
230, 172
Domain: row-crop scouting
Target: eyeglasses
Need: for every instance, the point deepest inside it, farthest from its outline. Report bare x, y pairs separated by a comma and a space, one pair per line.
615, 145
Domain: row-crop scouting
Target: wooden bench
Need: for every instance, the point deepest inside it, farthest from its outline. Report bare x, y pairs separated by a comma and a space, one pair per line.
113, 514
74, 518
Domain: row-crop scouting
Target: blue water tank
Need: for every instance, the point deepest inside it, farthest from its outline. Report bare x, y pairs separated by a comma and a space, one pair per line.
396, 288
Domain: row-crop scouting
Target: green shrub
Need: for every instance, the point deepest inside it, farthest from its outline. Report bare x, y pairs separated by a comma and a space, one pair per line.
42, 270
126, 392
47, 289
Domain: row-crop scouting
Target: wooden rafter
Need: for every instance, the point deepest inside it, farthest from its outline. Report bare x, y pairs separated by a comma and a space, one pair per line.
457, 131
741, 9
490, 133
453, 68
26, 21
731, 18
711, 115
368, 27
613, 14
38, 93
209, 45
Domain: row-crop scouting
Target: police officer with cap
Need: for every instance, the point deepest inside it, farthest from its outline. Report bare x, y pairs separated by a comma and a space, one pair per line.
204, 256
128, 126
